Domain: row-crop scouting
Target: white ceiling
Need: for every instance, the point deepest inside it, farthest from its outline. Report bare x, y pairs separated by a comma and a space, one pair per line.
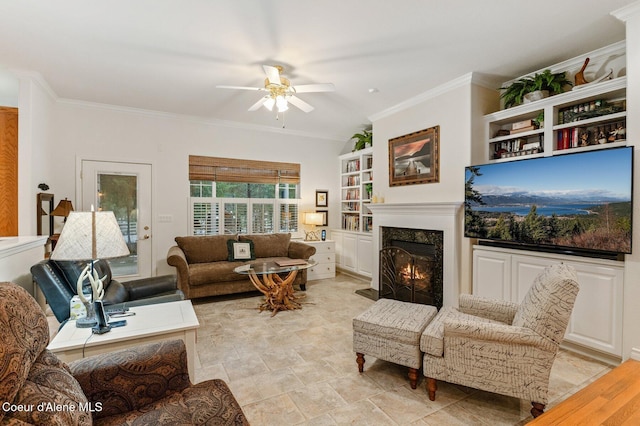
168, 55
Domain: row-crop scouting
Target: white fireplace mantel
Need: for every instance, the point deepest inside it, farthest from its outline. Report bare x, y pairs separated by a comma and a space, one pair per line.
437, 216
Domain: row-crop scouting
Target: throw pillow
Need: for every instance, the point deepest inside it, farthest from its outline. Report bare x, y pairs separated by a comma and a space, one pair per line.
240, 250
204, 248
269, 245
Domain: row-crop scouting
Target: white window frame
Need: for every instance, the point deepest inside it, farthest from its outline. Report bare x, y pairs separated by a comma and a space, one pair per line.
220, 202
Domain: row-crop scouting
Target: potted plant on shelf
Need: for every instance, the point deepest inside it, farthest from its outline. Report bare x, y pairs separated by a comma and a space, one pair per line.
363, 140
529, 89
368, 187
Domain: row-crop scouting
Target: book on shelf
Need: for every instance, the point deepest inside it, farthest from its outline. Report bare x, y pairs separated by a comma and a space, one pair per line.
353, 166
523, 129
522, 124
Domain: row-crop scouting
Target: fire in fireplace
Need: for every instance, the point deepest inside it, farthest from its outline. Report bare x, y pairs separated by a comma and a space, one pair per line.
411, 266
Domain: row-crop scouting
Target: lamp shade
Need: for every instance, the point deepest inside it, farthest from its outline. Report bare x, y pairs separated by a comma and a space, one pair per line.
90, 236
314, 219
63, 208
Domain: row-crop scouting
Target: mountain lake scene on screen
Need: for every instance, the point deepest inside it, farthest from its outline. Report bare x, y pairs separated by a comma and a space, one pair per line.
576, 200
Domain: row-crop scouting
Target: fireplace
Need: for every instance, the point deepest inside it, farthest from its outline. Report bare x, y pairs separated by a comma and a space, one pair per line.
410, 263
443, 217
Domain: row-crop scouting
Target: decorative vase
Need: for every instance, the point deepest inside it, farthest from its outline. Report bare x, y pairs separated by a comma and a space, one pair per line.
535, 96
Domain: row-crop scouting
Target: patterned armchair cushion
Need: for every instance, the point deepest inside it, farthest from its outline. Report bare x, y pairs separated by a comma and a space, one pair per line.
24, 335
52, 395
432, 339
131, 379
209, 402
547, 306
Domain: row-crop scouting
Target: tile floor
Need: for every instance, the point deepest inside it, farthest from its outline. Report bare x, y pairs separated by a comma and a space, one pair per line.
299, 368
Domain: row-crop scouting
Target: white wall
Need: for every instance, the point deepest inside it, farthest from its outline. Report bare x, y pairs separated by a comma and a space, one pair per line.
452, 112
166, 141
35, 108
631, 313
456, 108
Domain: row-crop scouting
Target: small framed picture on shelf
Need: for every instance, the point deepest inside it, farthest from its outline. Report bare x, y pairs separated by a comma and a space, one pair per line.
322, 198
325, 217
415, 158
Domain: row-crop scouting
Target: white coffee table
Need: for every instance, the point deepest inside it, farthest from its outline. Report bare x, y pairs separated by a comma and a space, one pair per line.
151, 323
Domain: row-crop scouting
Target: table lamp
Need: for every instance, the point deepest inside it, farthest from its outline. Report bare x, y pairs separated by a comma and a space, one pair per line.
90, 236
313, 219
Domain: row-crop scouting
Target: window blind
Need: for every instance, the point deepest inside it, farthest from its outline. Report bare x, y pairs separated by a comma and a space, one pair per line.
219, 169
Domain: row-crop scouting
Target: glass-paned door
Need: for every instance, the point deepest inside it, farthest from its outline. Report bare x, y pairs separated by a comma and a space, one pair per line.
125, 189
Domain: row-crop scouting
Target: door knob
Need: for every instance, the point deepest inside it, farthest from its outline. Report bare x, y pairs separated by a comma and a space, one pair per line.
145, 237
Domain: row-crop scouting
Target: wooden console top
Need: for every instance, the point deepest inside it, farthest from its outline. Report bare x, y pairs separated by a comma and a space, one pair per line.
613, 399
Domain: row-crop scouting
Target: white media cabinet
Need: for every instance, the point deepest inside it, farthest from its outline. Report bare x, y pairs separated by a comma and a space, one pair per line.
596, 321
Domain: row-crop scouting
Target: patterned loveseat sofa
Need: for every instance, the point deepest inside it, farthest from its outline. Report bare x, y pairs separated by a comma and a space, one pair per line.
144, 385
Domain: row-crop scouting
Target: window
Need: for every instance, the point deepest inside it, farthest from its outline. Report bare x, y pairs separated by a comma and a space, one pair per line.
230, 203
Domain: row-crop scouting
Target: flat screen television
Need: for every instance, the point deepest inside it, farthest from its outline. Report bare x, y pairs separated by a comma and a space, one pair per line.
578, 203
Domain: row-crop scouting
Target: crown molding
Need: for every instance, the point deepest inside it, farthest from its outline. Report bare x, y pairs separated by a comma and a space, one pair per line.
626, 12
195, 119
429, 94
36, 78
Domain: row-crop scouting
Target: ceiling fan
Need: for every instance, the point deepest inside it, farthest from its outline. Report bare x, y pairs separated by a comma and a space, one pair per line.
280, 92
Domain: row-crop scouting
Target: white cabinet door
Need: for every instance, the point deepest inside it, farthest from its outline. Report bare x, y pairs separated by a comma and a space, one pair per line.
525, 270
348, 256
492, 275
596, 321
365, 255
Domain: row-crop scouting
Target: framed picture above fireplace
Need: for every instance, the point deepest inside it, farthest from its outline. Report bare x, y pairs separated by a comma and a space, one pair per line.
415, 158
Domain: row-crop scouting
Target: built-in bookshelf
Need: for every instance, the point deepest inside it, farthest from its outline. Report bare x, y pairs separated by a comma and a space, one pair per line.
356, 187
582, 119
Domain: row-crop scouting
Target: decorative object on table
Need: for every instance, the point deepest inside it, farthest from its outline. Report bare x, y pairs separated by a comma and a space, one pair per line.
313, 219
607, 76
529, 89
90, 236
415, 158
63, 209
579, 77
362, 140
322, 198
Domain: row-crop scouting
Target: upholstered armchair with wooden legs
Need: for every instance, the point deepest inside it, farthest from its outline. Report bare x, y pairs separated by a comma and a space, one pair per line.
500, 346
148, 384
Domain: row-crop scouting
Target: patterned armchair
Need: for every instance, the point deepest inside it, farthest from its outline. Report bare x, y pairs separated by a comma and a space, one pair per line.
145, 385
500, 346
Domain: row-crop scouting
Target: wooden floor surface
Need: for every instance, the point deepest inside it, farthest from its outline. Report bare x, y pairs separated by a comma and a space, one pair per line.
613, 399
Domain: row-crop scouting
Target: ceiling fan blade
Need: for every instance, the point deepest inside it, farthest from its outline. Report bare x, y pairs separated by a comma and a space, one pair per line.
240, 87
272, 74
294, 100
258, 104
319, 87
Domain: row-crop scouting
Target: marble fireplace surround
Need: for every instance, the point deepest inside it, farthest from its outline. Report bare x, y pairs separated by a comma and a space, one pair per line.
443, 216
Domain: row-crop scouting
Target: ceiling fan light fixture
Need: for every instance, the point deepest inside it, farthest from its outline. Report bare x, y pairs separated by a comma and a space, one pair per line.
269, 103
282, 104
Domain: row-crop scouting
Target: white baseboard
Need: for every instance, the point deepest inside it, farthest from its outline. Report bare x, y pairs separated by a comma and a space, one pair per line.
635, 354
